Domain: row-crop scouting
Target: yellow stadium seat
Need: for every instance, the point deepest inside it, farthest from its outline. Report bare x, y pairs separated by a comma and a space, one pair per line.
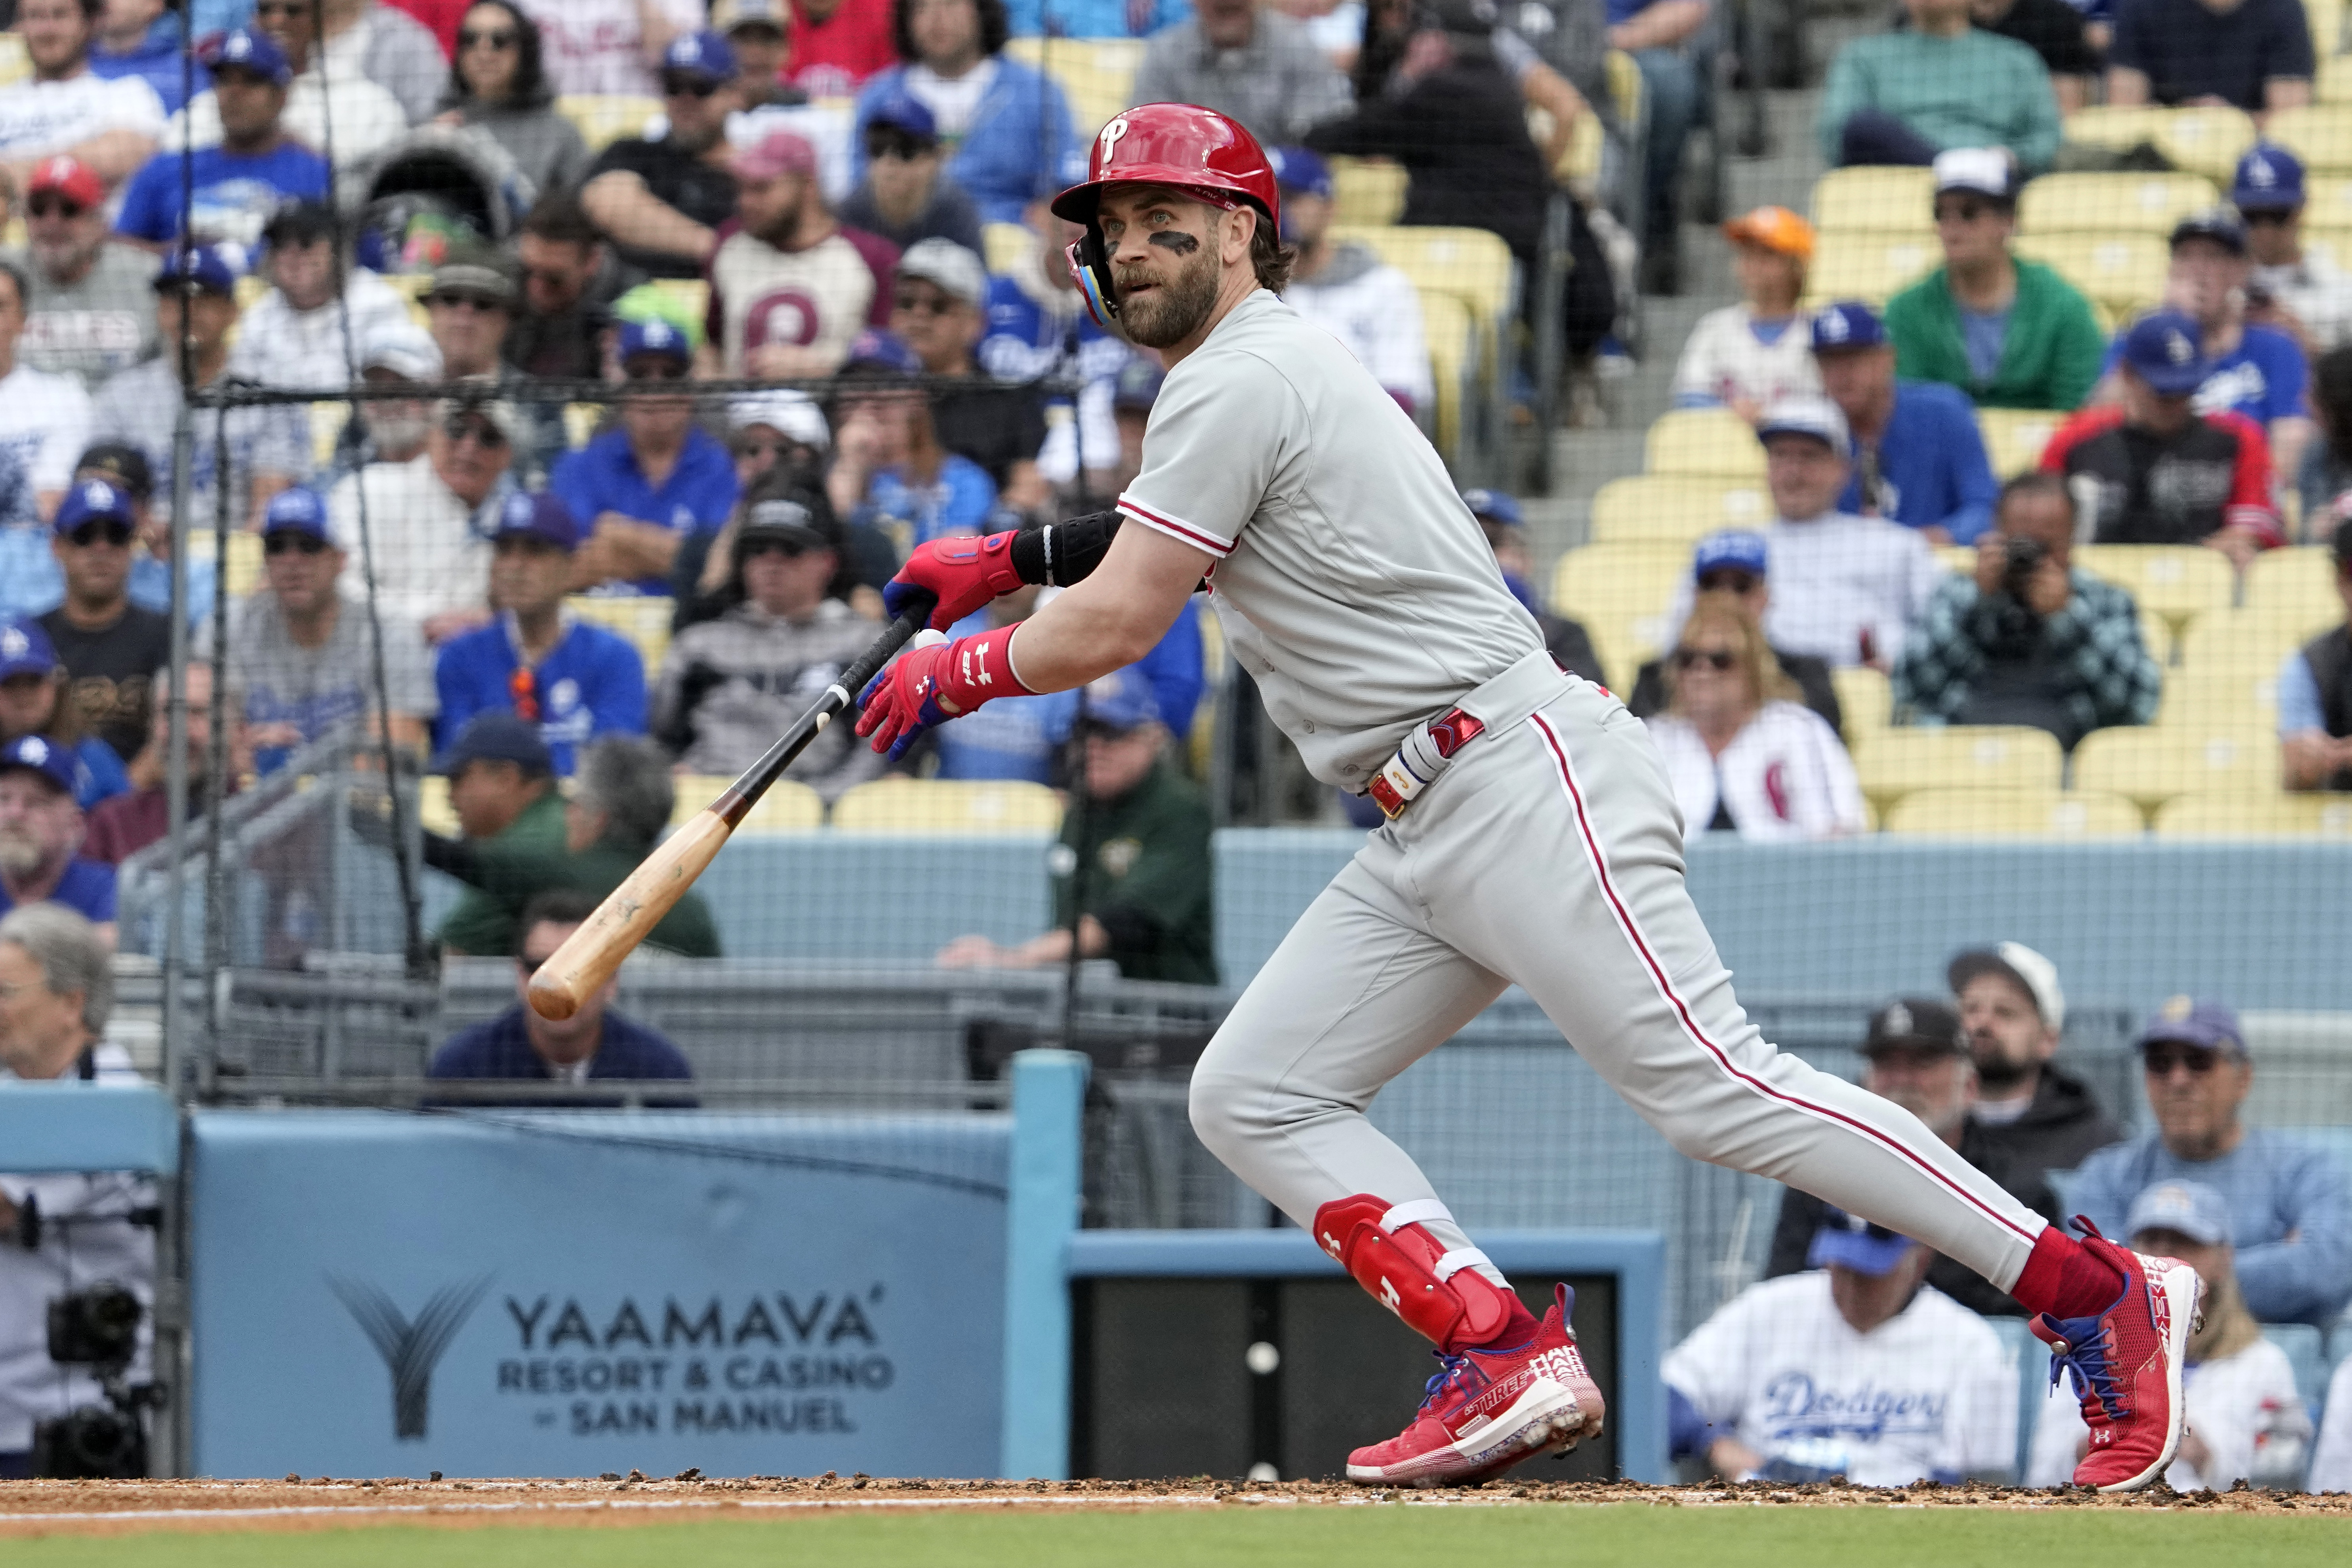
2277, 815
581, 421
1006, 244
2151, 766
939, 806
15, 63
1096, 75
1958, 756
1451, 334
788, 806
327, 422
1368, 191
2178, 583
1704, 443
2124, 272
1867, 200
2294, 590
1670, 506
2013, 814
1866, 702
2335, 84
1621, 591
2318, 134
2326, 205
1471, 264
1872, 266
2102, 125
603, 119
642, 619
2111, 203
433, 808
2208, 139
2325, 19
244, 573
2209, 696
2014, 438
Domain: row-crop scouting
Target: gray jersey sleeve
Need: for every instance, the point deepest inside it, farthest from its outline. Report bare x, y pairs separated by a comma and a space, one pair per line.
1220, 430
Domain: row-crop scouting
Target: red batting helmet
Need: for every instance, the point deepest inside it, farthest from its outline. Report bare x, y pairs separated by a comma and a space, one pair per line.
1179, 145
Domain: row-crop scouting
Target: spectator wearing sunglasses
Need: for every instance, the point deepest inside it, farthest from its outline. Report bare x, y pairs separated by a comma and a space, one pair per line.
730, 686
227, 192
1742, 753
89, 312
938, 308
790, 287
1738, 561
45, 418
2308, 295
470, 309
569, 279
430, 519
498, 84
110, 126
1919, 459
572, 679
662, 199
653, 479
109, 646
906, 196
304, 655
125, 467
37, 699
2290, 1216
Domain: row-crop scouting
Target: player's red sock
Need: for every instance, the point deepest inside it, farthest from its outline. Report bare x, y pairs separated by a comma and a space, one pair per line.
2065, 1279
1517, 1331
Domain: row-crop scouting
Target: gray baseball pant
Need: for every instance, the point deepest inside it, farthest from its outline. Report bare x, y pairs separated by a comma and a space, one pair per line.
1550, 854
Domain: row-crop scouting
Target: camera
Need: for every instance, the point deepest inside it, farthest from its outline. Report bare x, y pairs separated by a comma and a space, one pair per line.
2024, 558
99, 1328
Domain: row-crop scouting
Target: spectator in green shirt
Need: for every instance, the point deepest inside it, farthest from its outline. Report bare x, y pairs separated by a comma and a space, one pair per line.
2010, 333
502, 790
1903, 97
1138, 844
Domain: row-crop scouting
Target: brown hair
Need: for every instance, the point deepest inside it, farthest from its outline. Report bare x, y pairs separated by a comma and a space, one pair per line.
65, 724
1723, 611
1270, 257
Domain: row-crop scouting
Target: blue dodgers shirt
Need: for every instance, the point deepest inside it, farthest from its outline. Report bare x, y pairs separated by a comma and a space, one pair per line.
590, 683
604, 476
1017, 737
87, 888
2263, 378
907, 515
1932, 468
235, 193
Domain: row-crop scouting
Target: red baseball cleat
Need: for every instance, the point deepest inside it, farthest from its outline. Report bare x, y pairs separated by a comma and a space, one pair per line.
2126, 1364
1490, 1409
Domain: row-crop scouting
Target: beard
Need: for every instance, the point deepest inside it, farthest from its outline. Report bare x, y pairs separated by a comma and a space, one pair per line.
58, 258
1997, 1075
20, 853
1177, 305
403, 433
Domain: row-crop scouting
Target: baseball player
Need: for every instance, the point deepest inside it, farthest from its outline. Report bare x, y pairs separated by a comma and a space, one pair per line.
1531, 834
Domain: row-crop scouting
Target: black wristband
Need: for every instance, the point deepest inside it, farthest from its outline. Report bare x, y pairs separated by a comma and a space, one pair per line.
1057, 554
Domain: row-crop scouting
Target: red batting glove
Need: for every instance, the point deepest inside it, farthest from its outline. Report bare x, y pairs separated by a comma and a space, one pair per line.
933, 681
963, 572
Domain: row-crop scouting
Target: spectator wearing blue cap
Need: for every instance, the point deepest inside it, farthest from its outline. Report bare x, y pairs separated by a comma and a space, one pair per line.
572, 677
1343, 286
1738, 561
790, 287
2246, 1421
502, 791
1570, 644
1135, 881
109, 646
890, 472
2255, 53
1918, 458
41, 833
654, 477
2154, 470
2250, 369
233, 187
613, 46
2287, 287
660, 199
1853, 1368
37, 699
268, 447
2029, 637
125, 467
89, 311
906, 196
1037, 327
2290, 1215
2009, 332
45, 418
1007, 120
366, 116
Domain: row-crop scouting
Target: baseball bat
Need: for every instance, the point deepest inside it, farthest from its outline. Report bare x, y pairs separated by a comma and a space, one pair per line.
590, 955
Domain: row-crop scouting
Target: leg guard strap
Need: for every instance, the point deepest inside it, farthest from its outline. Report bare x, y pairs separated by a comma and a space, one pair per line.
1390, 1253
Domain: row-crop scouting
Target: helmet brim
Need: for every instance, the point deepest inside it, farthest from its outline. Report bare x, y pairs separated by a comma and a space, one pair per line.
1081, 202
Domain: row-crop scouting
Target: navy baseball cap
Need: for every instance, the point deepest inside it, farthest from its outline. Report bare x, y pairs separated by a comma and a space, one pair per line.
1851, 1242
1847, 324
1121, 701
884, 350
298, 510
2166, 349
1738, 548
1493, 506
249, 49
705, 53
1301, 169
92, 501
40, 754
200, 268
498, 736
2219, 224
902, 110
655, 337
538, 514
2193, 1022
2186, 1208
25, 650
2270, 179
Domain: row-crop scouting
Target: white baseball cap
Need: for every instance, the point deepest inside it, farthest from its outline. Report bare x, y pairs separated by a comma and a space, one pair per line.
1986, 171
404, 348
2035, 973
791, 414
951, 266
1806, 414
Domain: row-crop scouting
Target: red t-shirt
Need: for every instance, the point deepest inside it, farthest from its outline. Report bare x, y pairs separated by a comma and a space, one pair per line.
441, 16
832, 59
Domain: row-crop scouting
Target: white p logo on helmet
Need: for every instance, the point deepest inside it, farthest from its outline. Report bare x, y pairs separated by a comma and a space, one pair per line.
1110, 135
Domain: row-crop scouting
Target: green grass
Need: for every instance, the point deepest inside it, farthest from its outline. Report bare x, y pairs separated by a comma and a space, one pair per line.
1362, 1536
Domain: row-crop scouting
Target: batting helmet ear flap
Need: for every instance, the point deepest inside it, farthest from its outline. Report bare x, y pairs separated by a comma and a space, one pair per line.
1090, 268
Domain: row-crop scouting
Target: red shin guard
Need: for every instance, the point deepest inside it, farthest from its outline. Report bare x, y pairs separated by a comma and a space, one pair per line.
1439, 1294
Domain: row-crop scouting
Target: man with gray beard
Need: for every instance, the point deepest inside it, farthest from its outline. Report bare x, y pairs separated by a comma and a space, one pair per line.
91, 312
41, 833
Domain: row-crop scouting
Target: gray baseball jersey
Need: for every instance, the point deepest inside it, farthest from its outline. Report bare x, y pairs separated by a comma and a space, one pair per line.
1351, 582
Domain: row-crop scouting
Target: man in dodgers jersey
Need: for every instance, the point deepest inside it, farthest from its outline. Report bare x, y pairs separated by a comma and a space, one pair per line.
1532, 838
